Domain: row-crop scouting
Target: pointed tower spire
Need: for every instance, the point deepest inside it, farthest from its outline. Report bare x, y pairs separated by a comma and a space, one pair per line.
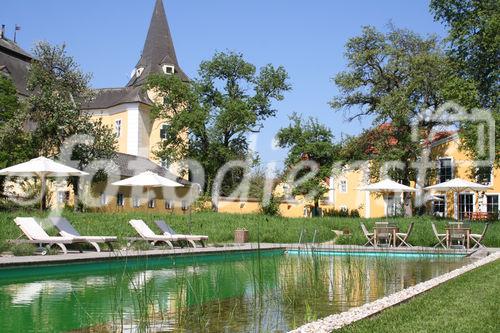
158, 54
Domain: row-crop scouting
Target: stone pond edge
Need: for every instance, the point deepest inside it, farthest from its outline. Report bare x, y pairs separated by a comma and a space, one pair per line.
339, 320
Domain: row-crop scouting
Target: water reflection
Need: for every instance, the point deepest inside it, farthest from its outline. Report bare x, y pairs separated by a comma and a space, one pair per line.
237, 294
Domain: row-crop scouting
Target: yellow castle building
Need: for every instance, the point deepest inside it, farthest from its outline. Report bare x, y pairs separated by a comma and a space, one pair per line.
450, 161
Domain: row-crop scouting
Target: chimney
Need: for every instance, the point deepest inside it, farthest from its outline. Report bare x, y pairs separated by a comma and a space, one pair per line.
2, 31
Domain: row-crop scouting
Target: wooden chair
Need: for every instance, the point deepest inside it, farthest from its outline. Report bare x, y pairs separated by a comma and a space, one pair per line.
478, 238
403, 237
440, 237
369, 235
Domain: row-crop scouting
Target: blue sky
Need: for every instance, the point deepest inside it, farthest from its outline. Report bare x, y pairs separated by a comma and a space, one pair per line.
306, 37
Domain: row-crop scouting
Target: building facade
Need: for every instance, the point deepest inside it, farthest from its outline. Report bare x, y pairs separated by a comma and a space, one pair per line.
450, 162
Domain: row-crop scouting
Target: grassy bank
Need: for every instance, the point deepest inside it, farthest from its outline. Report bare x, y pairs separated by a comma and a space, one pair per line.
220, 227
468, 303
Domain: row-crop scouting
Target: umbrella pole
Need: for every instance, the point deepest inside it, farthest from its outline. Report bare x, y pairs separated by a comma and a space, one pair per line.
43, 202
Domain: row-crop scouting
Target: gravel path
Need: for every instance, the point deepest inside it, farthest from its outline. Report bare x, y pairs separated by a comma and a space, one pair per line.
339, 320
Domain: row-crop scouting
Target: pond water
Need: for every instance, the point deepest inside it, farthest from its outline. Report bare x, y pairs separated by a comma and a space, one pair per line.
266, 291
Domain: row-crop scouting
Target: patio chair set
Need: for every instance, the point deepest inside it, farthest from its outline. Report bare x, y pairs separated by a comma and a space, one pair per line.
387, 234
70, 236
457, 234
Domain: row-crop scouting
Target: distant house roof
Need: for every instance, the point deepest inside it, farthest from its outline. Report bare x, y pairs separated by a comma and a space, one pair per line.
131, 165
108, 97
15, 63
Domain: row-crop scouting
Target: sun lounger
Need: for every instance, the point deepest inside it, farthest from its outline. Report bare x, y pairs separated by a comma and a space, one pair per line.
192, 239
36, 235
66, 230
148, 235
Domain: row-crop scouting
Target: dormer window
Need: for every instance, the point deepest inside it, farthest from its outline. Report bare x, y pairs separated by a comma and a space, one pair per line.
139, 71
168, 69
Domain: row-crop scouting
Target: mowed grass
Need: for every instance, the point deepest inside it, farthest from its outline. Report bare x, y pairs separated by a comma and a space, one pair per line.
469, 303
220, 227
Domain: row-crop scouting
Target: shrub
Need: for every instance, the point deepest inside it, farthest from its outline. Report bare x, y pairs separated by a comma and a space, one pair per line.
354, 213
23, 249
272, 208
4, 246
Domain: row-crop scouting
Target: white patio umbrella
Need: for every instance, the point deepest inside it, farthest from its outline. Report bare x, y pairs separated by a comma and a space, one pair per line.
43, 168
387, 186
457, 185
147, 180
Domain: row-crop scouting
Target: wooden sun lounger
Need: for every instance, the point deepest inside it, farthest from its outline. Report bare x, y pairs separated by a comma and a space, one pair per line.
192, 239
36, 235
66, 230
148, 235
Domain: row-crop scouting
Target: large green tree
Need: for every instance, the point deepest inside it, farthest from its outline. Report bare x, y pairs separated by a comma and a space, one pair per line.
310, 141
397, 79
211, 117
58, 91
474, 27
15, 144
474, 47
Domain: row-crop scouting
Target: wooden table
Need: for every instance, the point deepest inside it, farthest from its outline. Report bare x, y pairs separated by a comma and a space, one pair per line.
383, 228
458, 229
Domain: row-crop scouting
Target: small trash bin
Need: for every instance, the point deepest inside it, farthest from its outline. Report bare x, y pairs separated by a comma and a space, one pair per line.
241, 236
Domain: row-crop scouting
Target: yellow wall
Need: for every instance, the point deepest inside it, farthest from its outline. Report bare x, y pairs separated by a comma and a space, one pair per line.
368, 204
462, 168
109, 120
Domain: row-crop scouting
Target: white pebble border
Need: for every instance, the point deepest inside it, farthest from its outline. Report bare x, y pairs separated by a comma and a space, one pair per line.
339, 320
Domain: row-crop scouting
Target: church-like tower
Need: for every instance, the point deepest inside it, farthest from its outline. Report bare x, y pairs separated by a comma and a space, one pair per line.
158, 54
126, 109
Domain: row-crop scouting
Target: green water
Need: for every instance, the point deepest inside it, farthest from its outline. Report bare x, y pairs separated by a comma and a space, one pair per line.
260, 292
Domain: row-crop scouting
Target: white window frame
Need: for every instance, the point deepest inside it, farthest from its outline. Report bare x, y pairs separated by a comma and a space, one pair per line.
103, 199
61, 197
171, 67
452, 162
118, 128
445, 204
455, 203
122, 202
152, 203
169, 204
486, 201
343, 182
491, 176
161, 128
136, 202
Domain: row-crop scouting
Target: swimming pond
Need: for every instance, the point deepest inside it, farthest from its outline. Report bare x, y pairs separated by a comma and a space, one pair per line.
235, 292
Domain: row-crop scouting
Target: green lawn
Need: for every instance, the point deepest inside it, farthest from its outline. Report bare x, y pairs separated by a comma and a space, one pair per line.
469, 303
220, 227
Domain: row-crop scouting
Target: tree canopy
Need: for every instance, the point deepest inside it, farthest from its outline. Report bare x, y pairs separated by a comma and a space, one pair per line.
58, 92
397, 78
310, 141
474, 47
211, 117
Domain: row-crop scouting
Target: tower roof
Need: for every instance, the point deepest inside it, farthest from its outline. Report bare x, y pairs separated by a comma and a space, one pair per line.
158, 49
